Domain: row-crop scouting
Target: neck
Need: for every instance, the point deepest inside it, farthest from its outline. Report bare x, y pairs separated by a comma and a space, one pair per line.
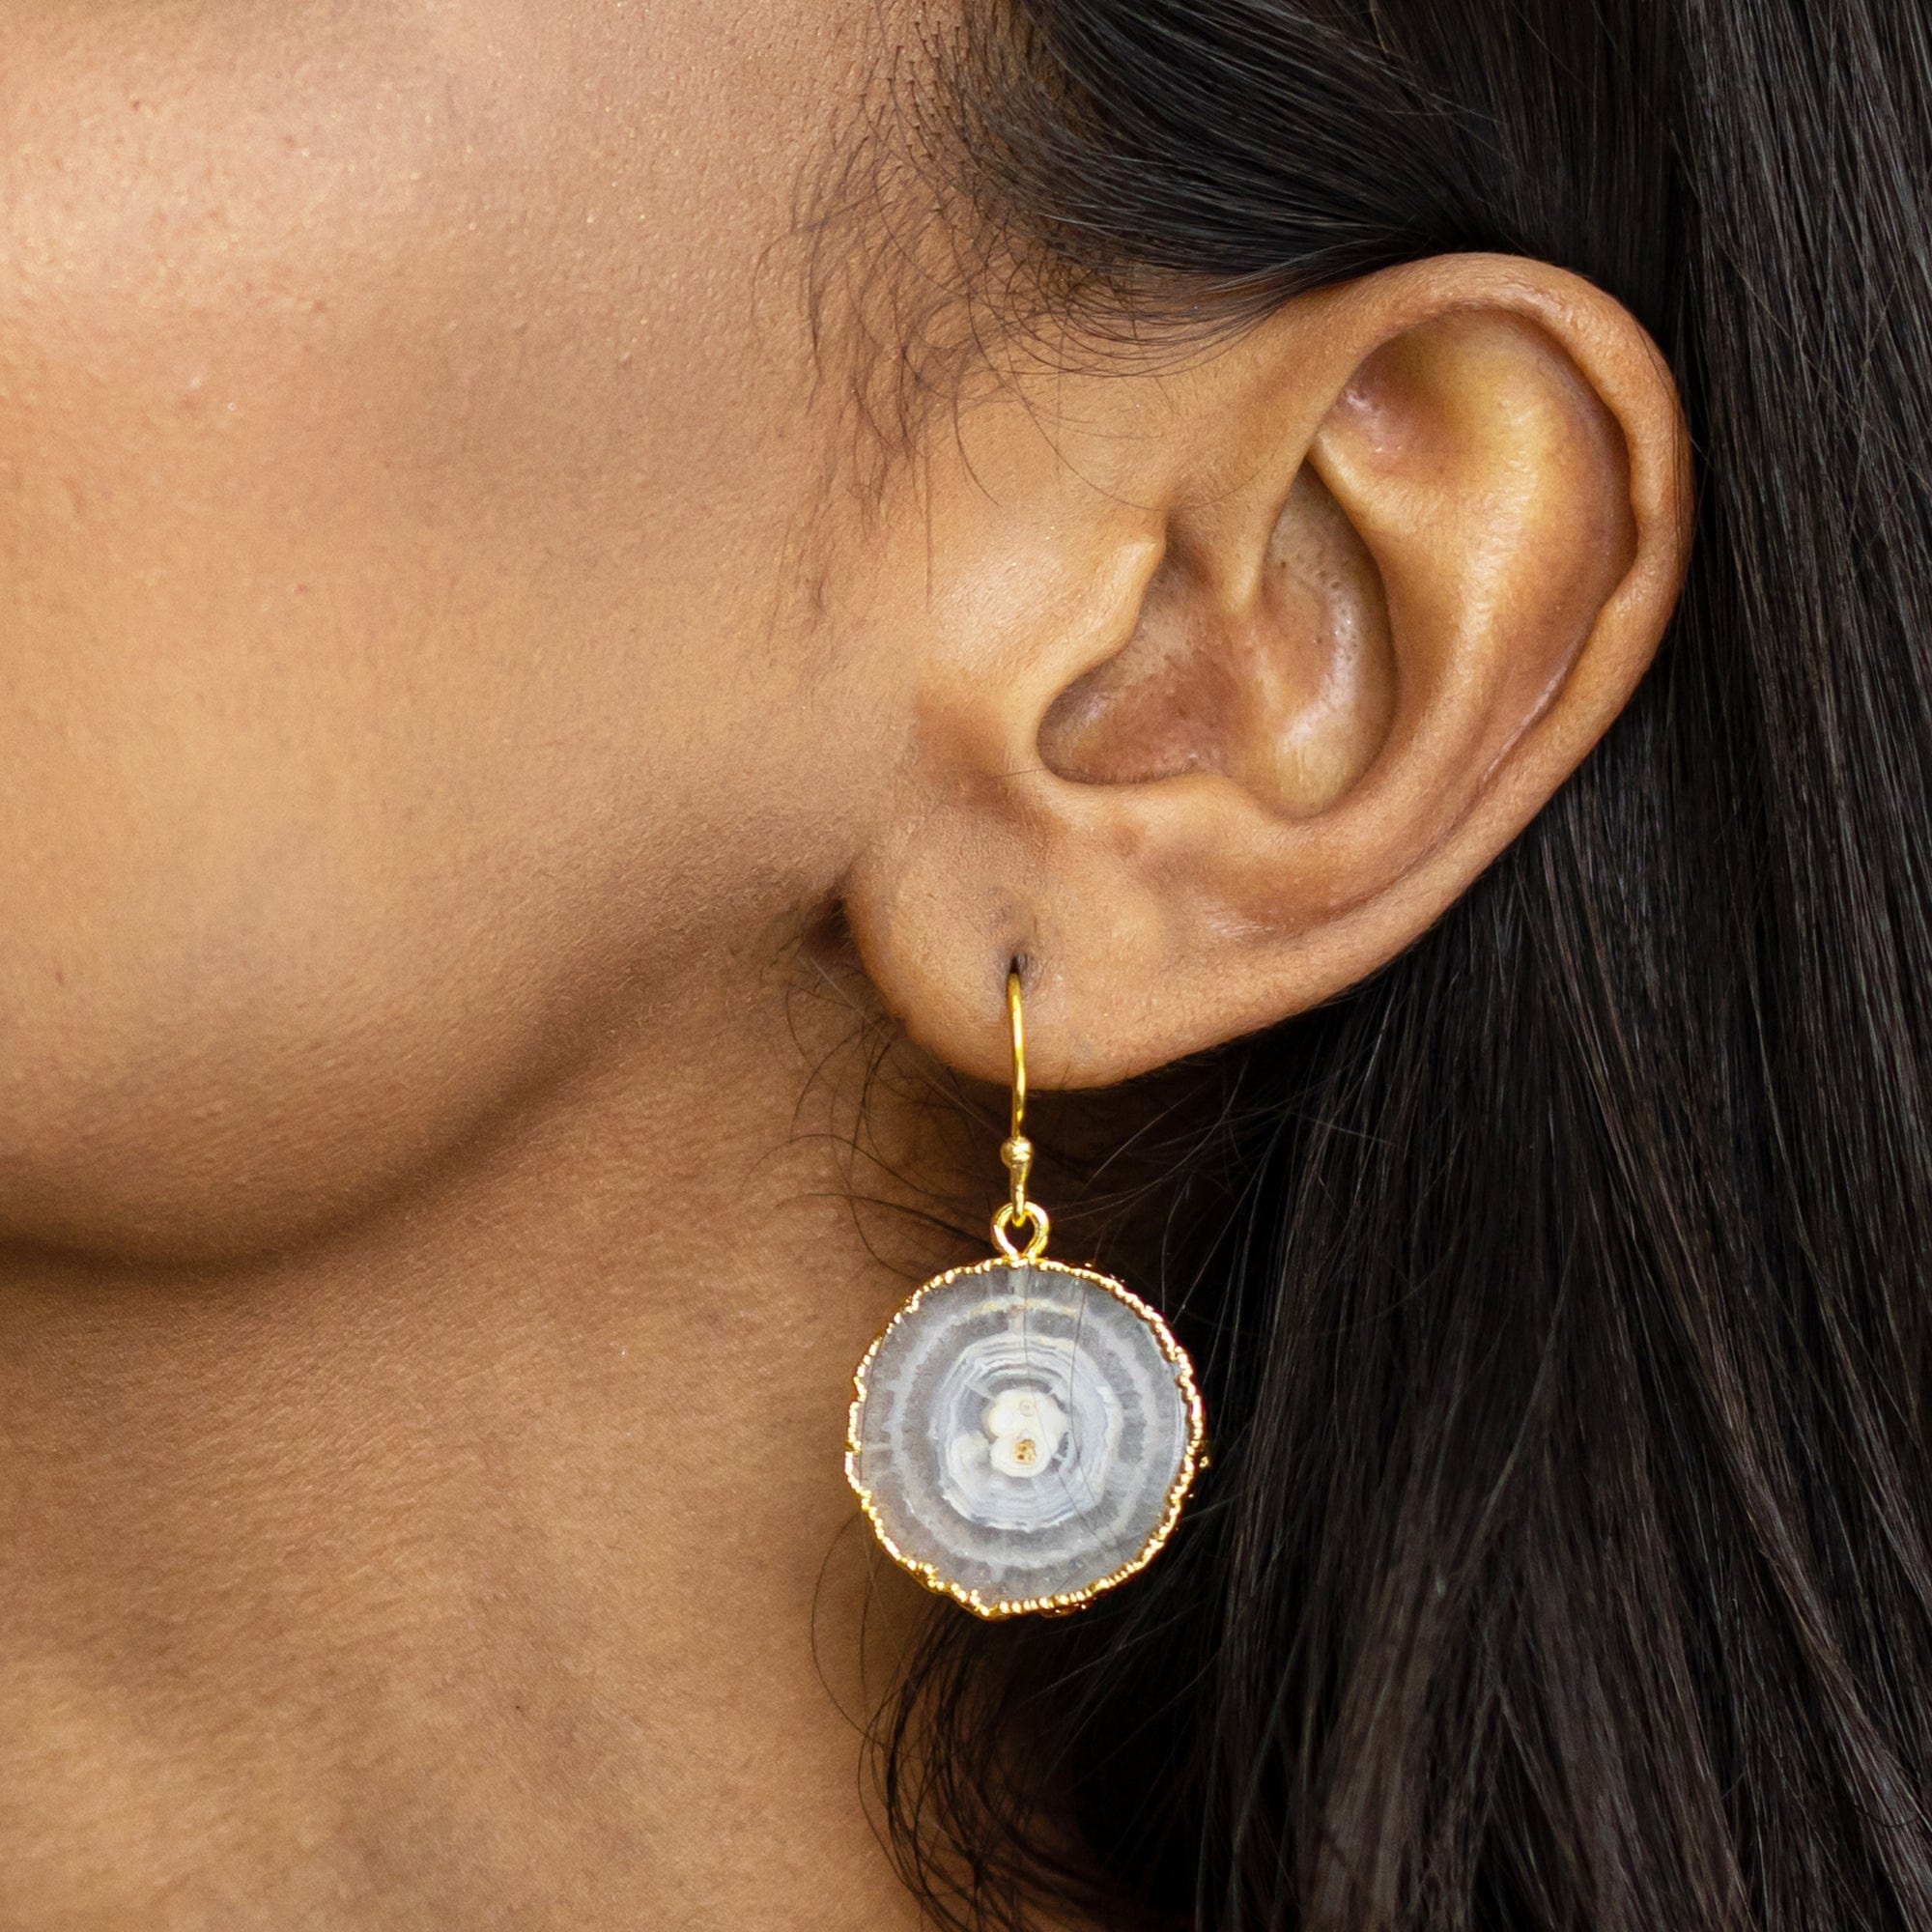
489, 1562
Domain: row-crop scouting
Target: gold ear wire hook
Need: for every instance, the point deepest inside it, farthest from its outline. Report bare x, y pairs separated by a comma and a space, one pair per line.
1016, 1150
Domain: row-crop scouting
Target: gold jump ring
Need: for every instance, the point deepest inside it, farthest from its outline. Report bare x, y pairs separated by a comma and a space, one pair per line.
1009, 1218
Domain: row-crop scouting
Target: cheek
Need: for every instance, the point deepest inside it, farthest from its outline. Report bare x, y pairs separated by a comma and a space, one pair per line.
360, 499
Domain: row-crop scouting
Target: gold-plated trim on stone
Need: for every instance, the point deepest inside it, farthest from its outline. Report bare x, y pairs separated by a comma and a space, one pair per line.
1191, 1462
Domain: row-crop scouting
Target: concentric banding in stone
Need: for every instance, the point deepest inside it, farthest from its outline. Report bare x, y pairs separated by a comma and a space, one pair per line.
1023, 1435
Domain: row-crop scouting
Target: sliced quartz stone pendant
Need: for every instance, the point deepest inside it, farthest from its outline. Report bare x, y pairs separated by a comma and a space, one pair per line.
1024, 1435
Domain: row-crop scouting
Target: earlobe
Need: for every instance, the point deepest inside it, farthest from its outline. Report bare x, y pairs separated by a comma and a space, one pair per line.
1413, 542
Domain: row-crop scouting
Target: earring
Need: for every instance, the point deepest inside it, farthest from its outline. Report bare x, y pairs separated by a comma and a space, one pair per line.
1024, 1433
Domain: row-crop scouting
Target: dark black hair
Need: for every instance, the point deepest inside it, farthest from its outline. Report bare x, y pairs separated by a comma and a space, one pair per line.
1562, 1295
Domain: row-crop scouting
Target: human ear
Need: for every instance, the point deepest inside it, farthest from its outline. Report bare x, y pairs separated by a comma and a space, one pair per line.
1234, 671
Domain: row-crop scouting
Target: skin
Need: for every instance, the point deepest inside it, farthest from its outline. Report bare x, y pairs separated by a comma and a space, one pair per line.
458, 660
